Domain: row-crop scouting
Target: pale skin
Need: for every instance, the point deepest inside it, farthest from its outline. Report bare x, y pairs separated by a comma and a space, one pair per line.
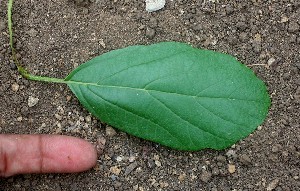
23, 154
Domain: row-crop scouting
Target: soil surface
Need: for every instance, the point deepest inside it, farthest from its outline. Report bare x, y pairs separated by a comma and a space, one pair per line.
53, 37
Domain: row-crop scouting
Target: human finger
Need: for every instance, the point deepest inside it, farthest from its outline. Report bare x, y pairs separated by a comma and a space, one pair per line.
20, 154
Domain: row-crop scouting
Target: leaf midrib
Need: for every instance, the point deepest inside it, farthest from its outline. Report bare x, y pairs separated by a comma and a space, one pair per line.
149, 90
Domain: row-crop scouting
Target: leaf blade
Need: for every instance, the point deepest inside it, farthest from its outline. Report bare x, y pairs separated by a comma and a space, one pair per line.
173, 94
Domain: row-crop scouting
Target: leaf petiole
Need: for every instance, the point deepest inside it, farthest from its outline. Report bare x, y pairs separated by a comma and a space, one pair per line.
21, 69
44, 79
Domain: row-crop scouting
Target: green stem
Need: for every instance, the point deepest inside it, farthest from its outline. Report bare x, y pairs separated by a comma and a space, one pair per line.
46, 79
42, 78
21, 69
9, 10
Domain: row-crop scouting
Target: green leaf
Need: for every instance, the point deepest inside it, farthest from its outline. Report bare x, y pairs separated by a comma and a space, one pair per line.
173, 94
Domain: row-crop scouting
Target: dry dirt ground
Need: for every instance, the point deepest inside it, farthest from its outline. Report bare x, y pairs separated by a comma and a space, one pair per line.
53, 37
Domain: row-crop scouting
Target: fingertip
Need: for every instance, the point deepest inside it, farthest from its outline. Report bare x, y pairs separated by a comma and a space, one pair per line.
68, 154
89, 160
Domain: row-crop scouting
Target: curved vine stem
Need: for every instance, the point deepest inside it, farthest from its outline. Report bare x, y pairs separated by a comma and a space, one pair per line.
21, 69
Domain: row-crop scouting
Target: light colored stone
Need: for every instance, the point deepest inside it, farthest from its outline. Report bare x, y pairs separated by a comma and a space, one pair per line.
135, 188
109, 131
231, 168
154, 5
231, 153
57, 116
272, 185
284, 19
115, 170
271, 61
131, 158
158, 163
181, 177
15, 87
119, 158
102, 43
19, 119
88, 119
257, 37
163, 184
259, 128
32, 101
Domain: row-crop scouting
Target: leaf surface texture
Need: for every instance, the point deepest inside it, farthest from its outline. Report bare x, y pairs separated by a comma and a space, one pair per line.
173, 94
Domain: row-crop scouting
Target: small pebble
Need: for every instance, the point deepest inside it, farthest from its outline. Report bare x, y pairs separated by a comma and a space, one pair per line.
197, 27
231, 154
297, 94
243, 36
153, 22
24, 110
69, 98
271, 61
273, 185
276, 148
81, 118
118, 184
32, 32
181, 177
157, 163
19, 119
154, 5
284, 19
100, 145
130, 168
110, 132
231, 168
135, 187
242, 26
150, 33
150, 163
215, 171
293, 27
119, 158
163, 184
115, 170
257, 37
32, 101
131, 158
15, 87
205, 176
221, 158
19, 56
57, 116
256, 47
259, 128
114, 177
245, 159
13, 66
88, 119
102, 43
229, 9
